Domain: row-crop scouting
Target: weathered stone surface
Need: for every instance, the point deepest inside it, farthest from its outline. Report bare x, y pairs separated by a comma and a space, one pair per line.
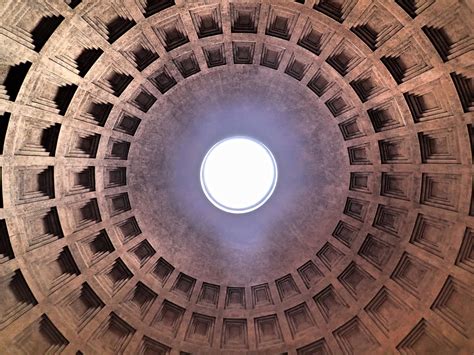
107, 242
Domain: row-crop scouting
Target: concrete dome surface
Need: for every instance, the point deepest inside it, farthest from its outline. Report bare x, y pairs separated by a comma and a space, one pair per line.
108, 244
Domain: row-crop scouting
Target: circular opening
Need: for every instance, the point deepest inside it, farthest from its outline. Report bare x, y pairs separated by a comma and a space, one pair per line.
238, 174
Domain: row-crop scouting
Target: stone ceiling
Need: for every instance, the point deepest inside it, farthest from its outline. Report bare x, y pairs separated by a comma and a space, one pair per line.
107, 243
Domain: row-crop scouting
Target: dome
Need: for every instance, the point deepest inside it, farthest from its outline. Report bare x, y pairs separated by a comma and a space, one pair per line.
112, 239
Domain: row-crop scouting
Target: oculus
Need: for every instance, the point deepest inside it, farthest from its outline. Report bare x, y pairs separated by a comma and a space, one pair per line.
238, 174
